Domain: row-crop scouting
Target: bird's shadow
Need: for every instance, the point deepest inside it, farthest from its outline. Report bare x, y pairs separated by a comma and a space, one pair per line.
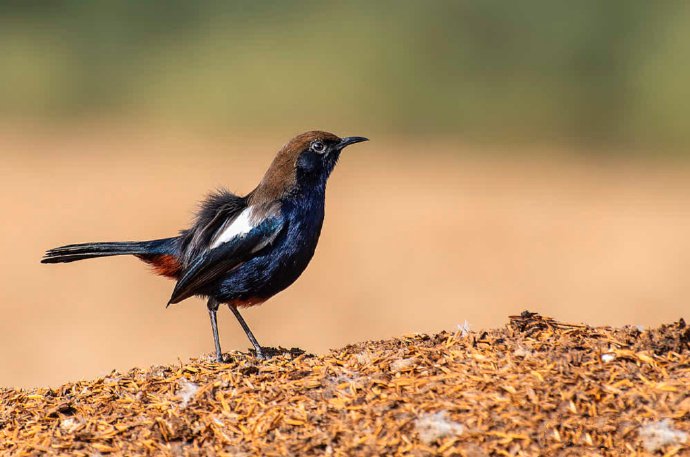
268, 352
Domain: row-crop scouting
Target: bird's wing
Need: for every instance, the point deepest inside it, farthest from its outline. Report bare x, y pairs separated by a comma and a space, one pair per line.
215, 212
224, 255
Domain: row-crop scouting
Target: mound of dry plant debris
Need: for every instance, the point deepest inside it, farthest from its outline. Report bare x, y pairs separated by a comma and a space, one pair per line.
537, 387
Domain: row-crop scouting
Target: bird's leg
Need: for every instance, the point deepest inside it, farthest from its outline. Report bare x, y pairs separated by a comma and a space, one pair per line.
212, 306
257, 347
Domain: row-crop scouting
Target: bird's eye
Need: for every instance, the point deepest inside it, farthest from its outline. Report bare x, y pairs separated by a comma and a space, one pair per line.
318, 147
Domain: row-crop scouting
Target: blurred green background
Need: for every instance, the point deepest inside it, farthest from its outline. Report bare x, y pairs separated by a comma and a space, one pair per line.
524, 155
613, 72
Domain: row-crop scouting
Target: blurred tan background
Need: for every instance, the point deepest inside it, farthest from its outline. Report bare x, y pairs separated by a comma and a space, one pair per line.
528, 156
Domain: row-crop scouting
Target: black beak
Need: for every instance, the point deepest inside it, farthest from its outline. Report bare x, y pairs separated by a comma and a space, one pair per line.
351, 140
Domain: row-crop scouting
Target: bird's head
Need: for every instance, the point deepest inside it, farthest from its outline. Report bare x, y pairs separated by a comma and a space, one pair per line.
316, 153
306, 160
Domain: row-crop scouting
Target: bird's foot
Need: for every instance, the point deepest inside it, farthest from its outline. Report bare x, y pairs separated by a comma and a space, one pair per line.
259, 353
221, 358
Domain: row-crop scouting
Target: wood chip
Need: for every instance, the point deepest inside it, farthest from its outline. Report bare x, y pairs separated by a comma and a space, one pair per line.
536, 387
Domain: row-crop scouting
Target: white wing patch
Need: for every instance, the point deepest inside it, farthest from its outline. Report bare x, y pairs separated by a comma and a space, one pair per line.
239, 226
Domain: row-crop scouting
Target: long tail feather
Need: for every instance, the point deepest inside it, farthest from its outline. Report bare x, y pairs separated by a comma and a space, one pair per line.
73, 252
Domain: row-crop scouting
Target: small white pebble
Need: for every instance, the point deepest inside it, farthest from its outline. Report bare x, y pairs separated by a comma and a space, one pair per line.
401, 364
522, 352
187, 391
656, 435
69, 425
364, 358
431, 427
608, 357
464, 328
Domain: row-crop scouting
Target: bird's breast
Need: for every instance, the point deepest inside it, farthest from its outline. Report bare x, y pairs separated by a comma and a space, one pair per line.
291, 252
279, 264
305, 220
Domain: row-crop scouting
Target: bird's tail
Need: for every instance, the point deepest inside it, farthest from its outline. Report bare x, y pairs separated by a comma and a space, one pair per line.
73, 252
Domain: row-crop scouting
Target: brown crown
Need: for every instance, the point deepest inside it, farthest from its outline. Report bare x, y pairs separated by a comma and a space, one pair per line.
281, 175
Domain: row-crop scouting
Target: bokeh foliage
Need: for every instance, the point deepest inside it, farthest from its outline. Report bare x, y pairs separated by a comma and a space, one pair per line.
613, 71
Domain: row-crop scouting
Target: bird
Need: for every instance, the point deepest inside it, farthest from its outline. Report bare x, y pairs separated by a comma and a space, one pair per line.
241, 250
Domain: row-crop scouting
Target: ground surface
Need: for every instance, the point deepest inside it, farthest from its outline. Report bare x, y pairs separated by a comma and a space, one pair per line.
536, 387
420, 234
